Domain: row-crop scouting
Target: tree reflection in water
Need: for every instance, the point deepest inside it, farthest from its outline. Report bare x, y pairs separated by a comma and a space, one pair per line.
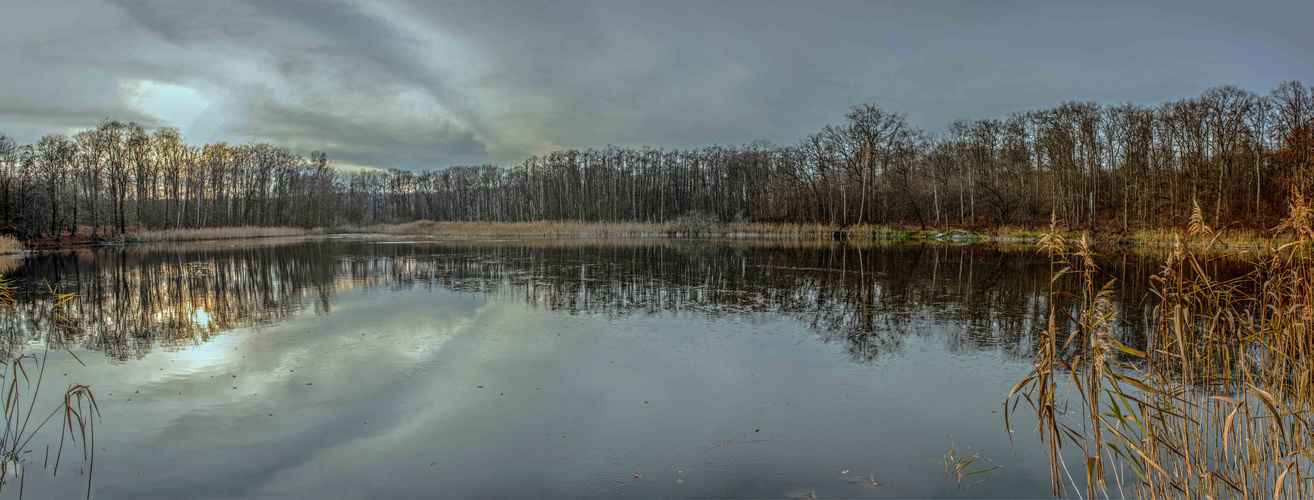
869, 296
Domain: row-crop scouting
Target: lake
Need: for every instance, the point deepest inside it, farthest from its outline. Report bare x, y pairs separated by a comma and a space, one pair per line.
351, 367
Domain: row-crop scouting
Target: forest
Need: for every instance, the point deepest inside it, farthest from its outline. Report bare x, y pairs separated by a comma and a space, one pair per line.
1109, 168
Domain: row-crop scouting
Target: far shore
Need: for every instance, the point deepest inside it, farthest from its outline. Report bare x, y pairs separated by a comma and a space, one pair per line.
1239, 239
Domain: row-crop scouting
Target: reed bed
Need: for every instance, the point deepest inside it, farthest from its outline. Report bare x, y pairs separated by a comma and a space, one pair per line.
213, 233
9, 263
1240, 238
684, 226
10, 245
538, 228
1218, 405
693, 224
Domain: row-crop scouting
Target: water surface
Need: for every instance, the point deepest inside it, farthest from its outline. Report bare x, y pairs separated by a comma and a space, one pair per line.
353, 367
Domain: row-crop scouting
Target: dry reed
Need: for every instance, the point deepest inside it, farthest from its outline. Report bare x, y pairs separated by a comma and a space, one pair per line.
1218, 405
9, 244
458, 228
684, 226
583, 228
214, 233
538, 228
21, 377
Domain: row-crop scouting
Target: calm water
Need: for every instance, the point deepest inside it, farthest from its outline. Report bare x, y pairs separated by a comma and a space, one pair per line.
354, 367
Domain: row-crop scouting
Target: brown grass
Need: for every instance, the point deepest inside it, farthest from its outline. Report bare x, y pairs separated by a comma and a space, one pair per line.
9, 244
539, 228
8, 263
215, 233
690, 226
684, 226
1228, 238
1218, 405
579, 228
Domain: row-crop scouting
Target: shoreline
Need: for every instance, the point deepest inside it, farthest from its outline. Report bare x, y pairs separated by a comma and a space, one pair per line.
1237, 239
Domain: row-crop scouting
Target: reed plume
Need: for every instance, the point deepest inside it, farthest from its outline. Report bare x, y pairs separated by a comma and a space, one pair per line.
1217, 405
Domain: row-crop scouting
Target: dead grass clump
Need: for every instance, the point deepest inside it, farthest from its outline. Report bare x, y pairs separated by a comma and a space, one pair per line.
694, 223
8, 263
1230, 237
213, 233
536, 228
1219, 403
9, 244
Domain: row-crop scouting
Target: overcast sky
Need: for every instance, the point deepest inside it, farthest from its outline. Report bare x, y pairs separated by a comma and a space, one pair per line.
432, 84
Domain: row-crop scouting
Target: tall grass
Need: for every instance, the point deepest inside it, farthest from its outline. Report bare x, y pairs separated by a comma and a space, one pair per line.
688, 225
1219, 403
9, 244
213, 233
1236, 238
538, 228
683, 226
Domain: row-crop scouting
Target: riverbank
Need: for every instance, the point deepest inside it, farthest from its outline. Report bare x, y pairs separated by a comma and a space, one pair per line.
1233, 238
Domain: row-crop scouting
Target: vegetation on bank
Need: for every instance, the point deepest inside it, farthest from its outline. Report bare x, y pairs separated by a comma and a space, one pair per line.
698, 225
1107, 169
21, 376
9, 245
1220, 404
212, 233
681, 227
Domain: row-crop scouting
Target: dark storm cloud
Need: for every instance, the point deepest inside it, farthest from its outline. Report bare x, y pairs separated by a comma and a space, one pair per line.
431, 84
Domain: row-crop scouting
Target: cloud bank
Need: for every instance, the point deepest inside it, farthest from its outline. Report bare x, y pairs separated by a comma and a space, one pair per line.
432, 84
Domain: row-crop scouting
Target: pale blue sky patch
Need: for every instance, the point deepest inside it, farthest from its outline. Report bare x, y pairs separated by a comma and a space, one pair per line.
179, 106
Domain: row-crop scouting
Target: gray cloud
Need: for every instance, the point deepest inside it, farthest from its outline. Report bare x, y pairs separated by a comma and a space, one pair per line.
432, 84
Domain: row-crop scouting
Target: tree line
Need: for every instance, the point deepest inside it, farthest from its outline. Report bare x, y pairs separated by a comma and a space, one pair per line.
1236, 153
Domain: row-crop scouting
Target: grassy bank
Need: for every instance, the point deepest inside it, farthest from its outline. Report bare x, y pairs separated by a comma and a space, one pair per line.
680, 227
685, 226
536, 229
213, 233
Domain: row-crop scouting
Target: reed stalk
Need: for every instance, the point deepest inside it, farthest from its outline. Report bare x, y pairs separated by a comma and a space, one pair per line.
1218, 405
20, 378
